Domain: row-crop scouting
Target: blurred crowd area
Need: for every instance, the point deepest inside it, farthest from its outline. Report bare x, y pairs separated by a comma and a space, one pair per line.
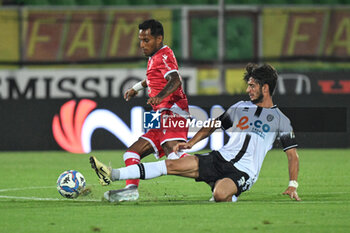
305, 41
57, 52
161, 2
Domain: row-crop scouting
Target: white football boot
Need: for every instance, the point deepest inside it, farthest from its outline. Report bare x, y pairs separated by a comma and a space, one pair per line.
129, 193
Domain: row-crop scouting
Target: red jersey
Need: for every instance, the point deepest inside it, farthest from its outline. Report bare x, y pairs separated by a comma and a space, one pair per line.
162, 63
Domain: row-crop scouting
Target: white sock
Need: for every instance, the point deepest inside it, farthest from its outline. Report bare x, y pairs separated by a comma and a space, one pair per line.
155, 169
140, 171
173, 155
126, 173
177, 155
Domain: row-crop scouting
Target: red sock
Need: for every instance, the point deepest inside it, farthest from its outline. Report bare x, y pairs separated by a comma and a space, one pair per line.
184, 155
131, 158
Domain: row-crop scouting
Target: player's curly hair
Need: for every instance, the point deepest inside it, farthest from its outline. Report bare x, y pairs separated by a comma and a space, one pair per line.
262, 74
155, 26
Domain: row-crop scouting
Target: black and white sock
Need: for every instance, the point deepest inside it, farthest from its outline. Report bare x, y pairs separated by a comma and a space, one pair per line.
140, 171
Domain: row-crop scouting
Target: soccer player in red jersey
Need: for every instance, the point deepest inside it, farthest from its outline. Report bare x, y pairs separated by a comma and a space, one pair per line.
166, 97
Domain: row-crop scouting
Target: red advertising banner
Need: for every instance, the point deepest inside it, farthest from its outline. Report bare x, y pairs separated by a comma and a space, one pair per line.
306, 32
86, 34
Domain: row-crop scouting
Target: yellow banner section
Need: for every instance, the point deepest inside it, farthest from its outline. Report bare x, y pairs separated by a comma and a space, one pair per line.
274, 27
209, 81
87, 34
234, 81
165, 17
306, 32
9, 37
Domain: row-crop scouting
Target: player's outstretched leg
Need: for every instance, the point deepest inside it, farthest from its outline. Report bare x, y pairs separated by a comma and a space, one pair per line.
130, 192
103, 172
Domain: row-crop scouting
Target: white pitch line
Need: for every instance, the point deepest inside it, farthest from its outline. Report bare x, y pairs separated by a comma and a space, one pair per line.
48, 199
36, 187
26, 188
31, 198
169, 196
243, 202
40, 198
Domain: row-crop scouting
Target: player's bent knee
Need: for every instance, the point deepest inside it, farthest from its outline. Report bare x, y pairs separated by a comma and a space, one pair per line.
222, 196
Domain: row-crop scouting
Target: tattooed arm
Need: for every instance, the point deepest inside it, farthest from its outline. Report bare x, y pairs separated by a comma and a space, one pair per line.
173, 84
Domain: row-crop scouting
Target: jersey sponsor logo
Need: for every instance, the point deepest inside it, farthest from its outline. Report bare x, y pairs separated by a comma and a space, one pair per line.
242, 123
256, 127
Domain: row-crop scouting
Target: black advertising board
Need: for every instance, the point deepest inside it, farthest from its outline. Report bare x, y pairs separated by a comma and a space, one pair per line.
83, 125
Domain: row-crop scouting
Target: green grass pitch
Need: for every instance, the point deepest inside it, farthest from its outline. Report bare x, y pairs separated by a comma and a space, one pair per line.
29, 201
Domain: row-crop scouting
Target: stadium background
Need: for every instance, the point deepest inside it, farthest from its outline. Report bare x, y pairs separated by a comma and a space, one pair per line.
53, 52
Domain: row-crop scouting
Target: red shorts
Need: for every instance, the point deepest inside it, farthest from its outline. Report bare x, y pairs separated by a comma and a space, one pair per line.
173, 129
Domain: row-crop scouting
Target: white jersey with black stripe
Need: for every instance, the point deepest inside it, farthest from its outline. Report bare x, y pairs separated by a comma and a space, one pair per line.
254, 130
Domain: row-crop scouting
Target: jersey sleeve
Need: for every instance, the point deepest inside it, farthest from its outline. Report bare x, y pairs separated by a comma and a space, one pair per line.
286, 134
167, 64
227, 118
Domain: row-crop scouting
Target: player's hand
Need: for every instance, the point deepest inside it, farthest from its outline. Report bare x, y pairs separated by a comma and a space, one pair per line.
129, 94
182, 146
292, 192
154, 100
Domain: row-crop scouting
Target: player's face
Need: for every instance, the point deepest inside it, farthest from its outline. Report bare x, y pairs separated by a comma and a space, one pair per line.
254, 91
148, 43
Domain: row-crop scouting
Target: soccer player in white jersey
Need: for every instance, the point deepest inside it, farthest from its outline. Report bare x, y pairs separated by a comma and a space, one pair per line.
235, 167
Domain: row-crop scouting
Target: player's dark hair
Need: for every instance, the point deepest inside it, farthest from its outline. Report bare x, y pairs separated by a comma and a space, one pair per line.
155, 26
262, 74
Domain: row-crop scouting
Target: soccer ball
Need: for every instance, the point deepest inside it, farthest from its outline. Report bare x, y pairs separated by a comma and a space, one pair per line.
70, 184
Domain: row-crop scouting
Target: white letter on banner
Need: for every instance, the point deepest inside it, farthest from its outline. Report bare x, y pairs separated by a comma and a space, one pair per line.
199, 114
105, 119
216, 138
